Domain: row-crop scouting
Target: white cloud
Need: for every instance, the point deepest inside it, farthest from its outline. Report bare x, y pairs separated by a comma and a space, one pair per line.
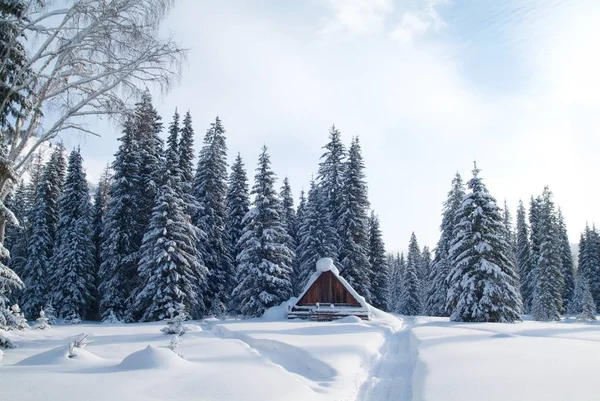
360, 17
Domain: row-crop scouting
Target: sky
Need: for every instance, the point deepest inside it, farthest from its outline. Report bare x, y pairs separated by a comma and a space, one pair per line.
429, 86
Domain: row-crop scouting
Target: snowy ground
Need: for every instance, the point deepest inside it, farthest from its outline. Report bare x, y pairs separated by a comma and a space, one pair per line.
262, 359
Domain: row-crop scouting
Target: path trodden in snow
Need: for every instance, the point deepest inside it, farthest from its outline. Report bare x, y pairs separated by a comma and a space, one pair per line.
391, 377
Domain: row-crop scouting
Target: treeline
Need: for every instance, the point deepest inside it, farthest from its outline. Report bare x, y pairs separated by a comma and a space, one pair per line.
486, 271
162, 237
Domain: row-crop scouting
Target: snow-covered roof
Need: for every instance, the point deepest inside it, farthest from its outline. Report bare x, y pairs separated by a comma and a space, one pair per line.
326, 265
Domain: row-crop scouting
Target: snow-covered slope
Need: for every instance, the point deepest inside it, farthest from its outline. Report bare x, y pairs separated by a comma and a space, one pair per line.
276, 359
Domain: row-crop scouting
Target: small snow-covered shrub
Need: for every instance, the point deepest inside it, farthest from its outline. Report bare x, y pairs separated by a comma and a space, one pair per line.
6, 343
111, 318
78, 343
21, 322
175, 325
50, 314
42, 321
174, 345
73, 318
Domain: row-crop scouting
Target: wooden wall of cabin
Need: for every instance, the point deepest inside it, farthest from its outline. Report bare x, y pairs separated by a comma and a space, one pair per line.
327, 289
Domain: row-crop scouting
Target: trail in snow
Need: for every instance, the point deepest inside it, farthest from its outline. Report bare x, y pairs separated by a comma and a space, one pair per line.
391, 378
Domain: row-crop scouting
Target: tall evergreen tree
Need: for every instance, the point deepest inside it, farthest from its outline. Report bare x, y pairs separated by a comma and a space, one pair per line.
288, 218
314, 235
300, 212
397, 265
330, 179
210, 190
591, 262
566, 257
379, 265
535, 241
98, 212
435, 303
36, 272
173, 278
523, 256
424, 274
238, 202
352, 224
186, 163
482, 282
265, 262
547, 296
120, 232
582, 304
509, 232
410, 302
72, 277
13, 73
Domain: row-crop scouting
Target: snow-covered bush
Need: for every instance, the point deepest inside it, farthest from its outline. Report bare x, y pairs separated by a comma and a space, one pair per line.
175, 325
42, 321
174, 345
111, 318
50, 313
6, 343
21, 322
78, 343
73, 318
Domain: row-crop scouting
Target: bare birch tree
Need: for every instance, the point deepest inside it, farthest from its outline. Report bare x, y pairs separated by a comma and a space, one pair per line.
86, 58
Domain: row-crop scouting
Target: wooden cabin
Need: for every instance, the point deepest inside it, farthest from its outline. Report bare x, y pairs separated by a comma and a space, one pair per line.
327, 296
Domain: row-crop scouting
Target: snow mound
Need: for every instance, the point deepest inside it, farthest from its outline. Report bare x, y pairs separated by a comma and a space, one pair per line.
60, 356
193, 328
278, 313
152, 358
349, 319
325, 265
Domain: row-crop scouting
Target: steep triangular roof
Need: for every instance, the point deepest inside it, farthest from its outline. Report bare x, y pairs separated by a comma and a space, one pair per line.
326, 265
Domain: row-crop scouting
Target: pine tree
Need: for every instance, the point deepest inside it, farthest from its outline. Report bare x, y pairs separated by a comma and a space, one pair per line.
524, 260
410, 303
352, 224
97, 220
265, 261
120, 231
36, 272
288, 218
238, 202
186, 163
210, 190
566, 256
424, 273
14, 72
330, 179
509, 233
397, 265
535, 240
590, 262
300, 212
379, 265
435, 304
173, 278
314, 235
72, 276
547, 296
582, 305
482, 282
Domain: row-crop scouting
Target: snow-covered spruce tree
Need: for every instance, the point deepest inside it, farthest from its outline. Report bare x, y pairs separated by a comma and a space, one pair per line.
288, 218
535, 240
435, 303
238, 202
330, 179
591, 262
186, 163
314, 235
265, 262
99, 208
410, 303
547, 302
352, 224
379, 265
509, 232
397, 265
72, 278
300, 211
424, 274
172, 276
523, 256
210, 190
483, 283
566, 256
36, 272
119, 234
